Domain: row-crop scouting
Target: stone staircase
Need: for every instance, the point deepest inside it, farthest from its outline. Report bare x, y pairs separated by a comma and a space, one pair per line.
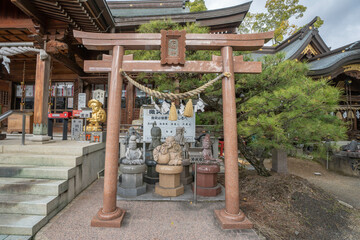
37, 181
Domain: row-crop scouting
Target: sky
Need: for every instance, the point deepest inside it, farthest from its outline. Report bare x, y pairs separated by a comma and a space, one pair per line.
341, 17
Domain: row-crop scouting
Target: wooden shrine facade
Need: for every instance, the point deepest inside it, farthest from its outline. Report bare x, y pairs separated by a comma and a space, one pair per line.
49, 25
230, 217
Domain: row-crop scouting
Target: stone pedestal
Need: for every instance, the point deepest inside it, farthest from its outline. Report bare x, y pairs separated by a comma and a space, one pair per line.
186, 177
151, 176
40, 138
132, 184
169, 181
206, 180
279, 161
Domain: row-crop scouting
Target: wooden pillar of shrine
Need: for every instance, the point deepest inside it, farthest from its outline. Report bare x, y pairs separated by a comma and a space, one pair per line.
88, 93
130, 103
41, 98
110, 215
231, 217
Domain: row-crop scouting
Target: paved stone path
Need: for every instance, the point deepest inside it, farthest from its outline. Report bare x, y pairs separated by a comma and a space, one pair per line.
143, 220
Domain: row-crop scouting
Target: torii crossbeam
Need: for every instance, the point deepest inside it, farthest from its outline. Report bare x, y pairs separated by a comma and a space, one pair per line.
172, 62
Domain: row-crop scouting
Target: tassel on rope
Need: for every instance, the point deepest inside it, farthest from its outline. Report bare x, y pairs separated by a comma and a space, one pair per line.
351, 114
339, 115
189, 110
173, 112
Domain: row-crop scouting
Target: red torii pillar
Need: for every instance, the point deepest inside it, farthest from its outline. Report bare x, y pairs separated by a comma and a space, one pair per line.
110, 215
231, 217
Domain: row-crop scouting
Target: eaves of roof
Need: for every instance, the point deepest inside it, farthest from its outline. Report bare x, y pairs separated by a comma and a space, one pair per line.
326, 63
231, 15
296, 43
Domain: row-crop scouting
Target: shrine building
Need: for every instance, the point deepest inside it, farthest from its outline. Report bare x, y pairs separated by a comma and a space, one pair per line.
340, 66
48, 25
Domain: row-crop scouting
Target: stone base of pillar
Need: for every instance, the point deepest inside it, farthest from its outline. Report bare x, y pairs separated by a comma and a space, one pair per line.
230, 221
112, 220
40, 129
169, 181
279, 161
206, 180
40, 138
151, 176
185, 177
132, 184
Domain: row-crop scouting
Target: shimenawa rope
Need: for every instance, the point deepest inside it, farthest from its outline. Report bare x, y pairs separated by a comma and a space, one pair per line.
174, 96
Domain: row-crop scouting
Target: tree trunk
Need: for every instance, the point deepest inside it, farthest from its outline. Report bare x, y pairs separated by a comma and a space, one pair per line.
251, 158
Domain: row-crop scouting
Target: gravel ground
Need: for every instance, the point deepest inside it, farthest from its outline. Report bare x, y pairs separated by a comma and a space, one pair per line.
143, 220
344, 188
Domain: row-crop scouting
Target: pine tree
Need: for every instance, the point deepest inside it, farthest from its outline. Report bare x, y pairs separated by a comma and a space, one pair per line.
279, 108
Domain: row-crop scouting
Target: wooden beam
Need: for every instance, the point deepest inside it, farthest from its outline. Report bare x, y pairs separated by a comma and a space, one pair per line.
54, 77
12, 23
29, 10
72, 65
214, 66
103, 45
152, 41
157, 36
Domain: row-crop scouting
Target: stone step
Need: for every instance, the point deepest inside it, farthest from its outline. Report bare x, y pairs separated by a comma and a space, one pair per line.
33, 186
68, 148
40, 159
15, 237
20, 224
32, 171
28, 204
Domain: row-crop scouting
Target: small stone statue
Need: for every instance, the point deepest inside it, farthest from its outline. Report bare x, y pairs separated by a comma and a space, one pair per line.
152, 176
155, 137
206, 152
180, 139
353, 146
133, 155
131, 132
98, 116
169, 153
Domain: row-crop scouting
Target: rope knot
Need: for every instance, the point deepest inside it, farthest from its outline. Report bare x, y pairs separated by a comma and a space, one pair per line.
227, 74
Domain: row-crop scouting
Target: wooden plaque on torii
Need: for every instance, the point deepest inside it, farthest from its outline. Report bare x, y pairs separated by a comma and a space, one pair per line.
173, 47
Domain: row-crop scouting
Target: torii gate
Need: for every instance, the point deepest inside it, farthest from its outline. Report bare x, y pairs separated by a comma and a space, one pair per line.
172, 45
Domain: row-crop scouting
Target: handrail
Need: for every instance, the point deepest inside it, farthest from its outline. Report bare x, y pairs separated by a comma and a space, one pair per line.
23, 113
11, 112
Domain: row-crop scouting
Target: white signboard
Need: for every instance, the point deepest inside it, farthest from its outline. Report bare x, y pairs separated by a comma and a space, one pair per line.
99, 95
18, 91
70, 102
81, 100
168, 128
29, 90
